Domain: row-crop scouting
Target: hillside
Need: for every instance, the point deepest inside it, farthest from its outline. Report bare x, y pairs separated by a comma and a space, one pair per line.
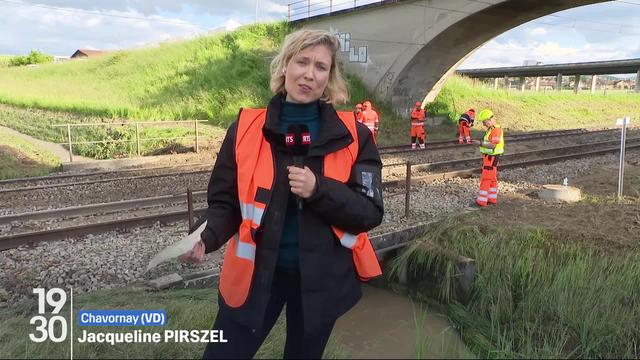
212, 76
529, 111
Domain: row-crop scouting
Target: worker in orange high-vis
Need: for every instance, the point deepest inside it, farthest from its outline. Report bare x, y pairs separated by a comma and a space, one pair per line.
418, 135
464, 126
358, 112
491, 147
370, 118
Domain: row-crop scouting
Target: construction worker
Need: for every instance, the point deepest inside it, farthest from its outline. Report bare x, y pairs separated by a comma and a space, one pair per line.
358, 112
464, 125
370, 118
491, 147
417, 127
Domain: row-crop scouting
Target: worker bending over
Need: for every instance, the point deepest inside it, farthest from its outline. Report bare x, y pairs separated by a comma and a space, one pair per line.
464, 125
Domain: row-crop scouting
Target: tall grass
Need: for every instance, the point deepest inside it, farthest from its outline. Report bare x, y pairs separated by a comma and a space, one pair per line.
534, 297
528, 111
206, 78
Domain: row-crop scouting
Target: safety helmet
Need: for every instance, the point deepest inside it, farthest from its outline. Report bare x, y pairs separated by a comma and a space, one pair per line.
485, 114
359, 106
367, 104
418, 103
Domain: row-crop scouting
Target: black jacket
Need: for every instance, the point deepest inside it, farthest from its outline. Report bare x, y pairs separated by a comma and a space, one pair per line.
329, 282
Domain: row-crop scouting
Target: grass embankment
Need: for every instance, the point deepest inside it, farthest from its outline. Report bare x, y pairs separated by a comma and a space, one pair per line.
212, 76
20, 158
186, 310
4, 61
544, 287
531, 111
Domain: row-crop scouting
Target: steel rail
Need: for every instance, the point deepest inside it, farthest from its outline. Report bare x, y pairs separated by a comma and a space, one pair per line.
15, 240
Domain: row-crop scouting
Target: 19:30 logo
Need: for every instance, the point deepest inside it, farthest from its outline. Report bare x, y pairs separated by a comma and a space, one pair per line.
46, 329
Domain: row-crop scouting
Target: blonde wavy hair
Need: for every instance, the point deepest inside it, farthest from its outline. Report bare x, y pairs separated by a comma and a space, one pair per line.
336, 91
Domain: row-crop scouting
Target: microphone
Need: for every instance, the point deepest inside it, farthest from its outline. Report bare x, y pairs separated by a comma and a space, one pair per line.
298, 140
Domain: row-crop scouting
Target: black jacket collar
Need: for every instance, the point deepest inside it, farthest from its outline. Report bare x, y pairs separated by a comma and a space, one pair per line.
334, 135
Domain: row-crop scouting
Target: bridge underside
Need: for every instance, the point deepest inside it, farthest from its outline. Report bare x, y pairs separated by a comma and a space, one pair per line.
404, 51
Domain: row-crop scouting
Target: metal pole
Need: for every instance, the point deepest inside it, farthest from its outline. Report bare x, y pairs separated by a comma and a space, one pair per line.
197, 143
69, 137
190, 207
138, 138
289, 12
407, 198
623, 139
308, 9
330, 6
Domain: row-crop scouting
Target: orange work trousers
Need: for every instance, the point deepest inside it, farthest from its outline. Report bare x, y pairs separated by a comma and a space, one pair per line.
418, 134
488, 193
464, 131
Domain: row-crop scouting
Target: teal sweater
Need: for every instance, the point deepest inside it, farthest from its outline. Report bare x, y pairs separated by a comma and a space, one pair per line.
294, 114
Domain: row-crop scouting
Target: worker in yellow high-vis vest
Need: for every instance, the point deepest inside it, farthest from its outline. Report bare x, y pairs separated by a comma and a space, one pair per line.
491, 147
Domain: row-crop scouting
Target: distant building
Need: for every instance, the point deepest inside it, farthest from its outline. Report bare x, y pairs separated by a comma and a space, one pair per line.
531, 63
58, 59
85, 53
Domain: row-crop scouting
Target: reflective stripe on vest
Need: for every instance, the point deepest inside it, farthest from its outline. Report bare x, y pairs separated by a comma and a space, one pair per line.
499, 149
255, 169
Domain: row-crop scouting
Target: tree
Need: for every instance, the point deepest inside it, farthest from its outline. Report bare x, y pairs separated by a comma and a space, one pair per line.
34, 57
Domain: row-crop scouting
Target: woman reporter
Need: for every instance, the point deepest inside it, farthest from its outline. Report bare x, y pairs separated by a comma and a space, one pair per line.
296, 235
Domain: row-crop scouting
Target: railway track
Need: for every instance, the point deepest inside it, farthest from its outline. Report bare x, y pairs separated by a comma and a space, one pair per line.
171, 207
35, 184
445, 144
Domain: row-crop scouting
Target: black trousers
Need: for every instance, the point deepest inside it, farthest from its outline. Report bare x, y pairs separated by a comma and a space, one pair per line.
243, 342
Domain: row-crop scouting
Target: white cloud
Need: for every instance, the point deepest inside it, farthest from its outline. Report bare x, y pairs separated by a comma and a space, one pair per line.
538, 31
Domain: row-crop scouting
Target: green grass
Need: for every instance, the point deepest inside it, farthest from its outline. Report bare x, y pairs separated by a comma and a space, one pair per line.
20, 158
186, 309
40, 124
212, 76
533, 296
530, 111
4, 61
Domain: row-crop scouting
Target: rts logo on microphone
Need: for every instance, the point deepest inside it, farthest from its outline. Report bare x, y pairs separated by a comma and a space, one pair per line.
306, 138
289, 140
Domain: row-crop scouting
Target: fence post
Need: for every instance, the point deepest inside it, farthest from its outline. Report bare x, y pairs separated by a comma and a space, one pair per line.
190, 207
407, 199
197, 143
138, 138
70, 146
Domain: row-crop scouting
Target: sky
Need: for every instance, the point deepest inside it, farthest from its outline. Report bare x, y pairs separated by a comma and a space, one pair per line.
605, 31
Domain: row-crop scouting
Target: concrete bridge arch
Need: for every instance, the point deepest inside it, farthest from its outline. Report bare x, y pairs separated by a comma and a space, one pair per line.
404, 50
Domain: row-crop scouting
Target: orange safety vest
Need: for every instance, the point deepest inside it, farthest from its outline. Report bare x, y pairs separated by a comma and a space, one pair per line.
417, 117
255, 170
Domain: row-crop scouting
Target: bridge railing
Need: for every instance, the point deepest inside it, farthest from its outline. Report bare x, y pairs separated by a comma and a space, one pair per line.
304, 9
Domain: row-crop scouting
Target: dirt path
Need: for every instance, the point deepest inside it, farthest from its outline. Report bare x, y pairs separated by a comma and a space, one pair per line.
58, 150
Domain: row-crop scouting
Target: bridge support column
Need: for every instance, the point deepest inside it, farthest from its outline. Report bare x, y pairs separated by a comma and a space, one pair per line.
638, 81
523, 83
507, 83
537, 83
495, 84
576, 85
594, 82
559, 82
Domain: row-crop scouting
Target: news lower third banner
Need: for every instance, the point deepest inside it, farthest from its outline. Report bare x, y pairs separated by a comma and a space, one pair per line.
49, 325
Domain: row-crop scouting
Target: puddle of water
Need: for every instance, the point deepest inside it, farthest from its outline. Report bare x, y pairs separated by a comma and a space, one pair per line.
388, 325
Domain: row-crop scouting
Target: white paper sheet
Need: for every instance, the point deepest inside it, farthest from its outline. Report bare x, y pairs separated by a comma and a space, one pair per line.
178, 248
